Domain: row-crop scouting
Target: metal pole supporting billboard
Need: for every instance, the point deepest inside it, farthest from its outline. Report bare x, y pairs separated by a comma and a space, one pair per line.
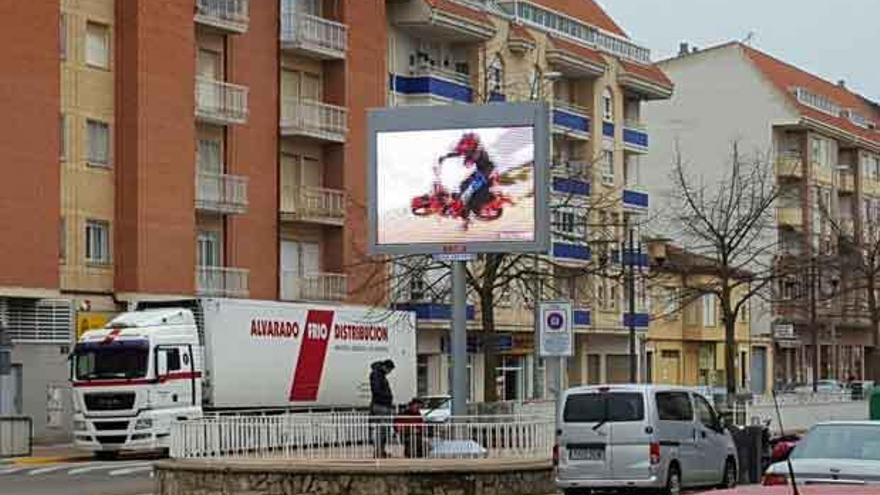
459, 340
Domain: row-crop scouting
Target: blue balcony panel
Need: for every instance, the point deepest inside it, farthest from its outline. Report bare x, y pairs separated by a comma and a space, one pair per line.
639, 320
608, 129
429, 85
635, 137
571, 120
635, 199
434, 311
571, 186
571, 251
582, 317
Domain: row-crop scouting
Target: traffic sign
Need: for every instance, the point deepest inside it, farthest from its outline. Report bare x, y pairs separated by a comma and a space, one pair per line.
555, 330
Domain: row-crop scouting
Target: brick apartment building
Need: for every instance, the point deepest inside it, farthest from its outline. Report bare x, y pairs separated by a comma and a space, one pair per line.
171, 149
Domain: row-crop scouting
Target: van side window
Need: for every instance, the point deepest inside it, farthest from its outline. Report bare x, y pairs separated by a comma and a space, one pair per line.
173, 359
674, 406
704, 412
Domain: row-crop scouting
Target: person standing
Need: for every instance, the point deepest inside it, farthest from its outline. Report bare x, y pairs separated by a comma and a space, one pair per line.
381, 404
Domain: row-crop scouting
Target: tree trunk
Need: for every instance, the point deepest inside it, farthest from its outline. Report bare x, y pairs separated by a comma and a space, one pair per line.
490, 351
729, 339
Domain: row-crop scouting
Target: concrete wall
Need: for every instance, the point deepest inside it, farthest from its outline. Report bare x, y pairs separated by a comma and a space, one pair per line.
44, 366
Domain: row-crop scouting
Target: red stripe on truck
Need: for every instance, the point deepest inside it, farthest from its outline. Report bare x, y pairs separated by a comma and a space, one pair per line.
312, 356
185, 375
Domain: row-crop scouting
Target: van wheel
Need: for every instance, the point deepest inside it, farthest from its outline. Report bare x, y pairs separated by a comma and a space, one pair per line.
730, 475
673, 481
106, 455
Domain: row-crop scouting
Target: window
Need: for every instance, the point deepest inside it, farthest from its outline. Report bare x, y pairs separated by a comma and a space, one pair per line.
62, 136
674, 406
172, 360
97, 241
210, 158
607, 105
710, 316
692, 313
97, 45
99, 143
496, 76
62, 239
608, 407
422, 368
705, 413
608, 166
62, 37
208, 245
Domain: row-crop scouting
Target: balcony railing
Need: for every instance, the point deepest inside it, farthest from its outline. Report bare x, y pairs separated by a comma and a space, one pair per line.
313, 35
221, 193
789, 164
220, 102
313, 287
314, 204
227, 15
221, 281
314, 119
789, 216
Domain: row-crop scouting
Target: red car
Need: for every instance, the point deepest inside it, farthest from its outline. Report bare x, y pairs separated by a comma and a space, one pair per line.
803, 490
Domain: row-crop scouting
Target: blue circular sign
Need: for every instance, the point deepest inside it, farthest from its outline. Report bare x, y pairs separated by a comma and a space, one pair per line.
555, 321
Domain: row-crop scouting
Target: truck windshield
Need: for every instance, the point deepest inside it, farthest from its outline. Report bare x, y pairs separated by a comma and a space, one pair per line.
120, 359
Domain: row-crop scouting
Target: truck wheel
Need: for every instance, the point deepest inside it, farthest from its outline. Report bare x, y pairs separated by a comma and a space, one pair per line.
106, 455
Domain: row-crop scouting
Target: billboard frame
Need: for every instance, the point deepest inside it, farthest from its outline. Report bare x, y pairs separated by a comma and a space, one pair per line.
442, 117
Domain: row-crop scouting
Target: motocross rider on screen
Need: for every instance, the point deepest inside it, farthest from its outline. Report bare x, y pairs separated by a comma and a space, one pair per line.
474, 190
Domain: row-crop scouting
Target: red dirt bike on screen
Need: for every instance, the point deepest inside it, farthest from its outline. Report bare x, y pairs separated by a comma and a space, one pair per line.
440, 201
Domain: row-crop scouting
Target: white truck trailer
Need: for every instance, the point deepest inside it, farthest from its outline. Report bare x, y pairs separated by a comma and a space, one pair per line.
148, 368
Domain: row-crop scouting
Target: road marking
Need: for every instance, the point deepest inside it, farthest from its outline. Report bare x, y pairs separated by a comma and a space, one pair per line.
131, 470
48, 469
105, 465
13, 470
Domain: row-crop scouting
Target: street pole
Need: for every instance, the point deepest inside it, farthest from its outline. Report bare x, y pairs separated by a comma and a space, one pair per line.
631, 287
813, 324
459, 340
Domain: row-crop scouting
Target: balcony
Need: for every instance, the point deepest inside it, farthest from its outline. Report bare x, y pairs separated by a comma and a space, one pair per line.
428, 85
790, 217
847, 183
230, 16
313, 204
313, 287
571, 120
221, 193
635, 136
313, 36
221, 281
221, 103
871, 186
442, 19
790, 165
567, 252
635, 200
314, 119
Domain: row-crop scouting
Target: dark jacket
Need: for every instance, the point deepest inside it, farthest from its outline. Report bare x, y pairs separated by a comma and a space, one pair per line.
379, 387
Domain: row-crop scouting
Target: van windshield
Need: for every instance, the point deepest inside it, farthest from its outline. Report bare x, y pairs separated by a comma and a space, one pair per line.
604, 407
120, 359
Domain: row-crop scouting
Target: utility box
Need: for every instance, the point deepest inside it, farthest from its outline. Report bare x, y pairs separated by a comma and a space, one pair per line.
874, 406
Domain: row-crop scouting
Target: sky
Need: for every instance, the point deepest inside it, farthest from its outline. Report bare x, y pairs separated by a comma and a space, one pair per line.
834, 39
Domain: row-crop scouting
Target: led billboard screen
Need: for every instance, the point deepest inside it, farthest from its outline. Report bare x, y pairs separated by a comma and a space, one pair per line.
458, 179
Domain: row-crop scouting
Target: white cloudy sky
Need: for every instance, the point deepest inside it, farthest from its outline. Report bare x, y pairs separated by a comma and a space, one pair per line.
405, 160
835, 39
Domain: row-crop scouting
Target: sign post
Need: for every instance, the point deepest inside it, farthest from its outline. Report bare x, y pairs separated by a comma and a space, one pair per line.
555, 339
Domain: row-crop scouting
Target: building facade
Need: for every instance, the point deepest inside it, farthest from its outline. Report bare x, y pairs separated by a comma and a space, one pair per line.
686, 342
822, 141
216, 148
595, 79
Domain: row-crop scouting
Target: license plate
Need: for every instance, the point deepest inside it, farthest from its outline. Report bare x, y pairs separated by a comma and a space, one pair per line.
587, 454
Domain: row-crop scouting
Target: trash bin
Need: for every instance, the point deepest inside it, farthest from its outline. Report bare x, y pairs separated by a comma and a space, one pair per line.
874, 407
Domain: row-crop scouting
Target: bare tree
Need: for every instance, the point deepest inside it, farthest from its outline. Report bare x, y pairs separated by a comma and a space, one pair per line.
729, 221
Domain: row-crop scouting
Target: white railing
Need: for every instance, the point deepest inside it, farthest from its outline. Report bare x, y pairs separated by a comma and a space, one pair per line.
313, 118
817, 102
428, 70
800, 411
359, 437
221, 281
221, 192
314, 33
314, 203
227, 14
313, 286
221, 102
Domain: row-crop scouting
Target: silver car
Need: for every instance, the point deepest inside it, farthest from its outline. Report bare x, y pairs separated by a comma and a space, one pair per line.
844, 452
641, 436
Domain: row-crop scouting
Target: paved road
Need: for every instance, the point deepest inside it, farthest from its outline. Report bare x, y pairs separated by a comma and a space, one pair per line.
122, 477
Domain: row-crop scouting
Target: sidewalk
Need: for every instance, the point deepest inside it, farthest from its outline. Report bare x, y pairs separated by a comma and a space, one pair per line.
47, 454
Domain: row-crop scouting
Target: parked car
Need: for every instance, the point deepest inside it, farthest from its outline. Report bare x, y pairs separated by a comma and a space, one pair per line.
641, 436
437, 409
833, 452
823, 387
804, 490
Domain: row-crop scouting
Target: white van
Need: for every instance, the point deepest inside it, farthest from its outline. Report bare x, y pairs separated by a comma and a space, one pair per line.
641, 436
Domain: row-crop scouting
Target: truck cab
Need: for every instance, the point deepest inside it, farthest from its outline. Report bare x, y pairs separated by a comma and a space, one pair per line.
133, 378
